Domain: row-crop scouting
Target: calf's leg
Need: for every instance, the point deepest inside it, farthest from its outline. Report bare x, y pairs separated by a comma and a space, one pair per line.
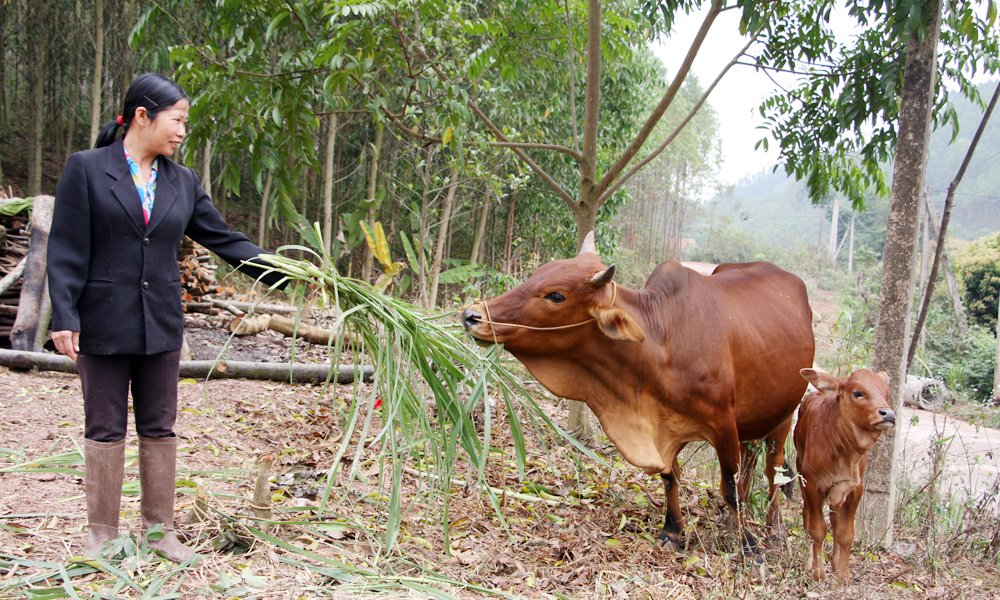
842, 523
815, 525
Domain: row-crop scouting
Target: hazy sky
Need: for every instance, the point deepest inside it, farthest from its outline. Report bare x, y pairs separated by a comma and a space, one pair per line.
737, 96
741, 91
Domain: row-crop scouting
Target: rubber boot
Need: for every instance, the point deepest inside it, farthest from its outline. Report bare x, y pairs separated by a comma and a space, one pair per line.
104, 467
157, 470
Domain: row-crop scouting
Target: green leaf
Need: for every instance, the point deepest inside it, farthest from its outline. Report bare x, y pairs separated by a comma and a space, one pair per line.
278, 21
410, 254
463, 273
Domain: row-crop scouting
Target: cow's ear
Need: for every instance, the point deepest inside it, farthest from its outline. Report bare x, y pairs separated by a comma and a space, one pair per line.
618, 325
822, 380
884, 377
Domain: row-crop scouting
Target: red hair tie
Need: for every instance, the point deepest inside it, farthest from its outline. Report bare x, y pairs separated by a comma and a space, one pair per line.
121, 121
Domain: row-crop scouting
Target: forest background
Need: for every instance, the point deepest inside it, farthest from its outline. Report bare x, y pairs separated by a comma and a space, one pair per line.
313, 113
283, 138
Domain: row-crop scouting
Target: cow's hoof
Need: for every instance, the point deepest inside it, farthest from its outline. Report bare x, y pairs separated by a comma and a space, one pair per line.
750, 548
670, 542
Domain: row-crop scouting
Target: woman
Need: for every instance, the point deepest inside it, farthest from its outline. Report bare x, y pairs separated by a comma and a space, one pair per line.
121, 210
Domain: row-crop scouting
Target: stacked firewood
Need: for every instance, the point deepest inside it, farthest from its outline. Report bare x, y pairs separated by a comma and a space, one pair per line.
13, 248
198, 273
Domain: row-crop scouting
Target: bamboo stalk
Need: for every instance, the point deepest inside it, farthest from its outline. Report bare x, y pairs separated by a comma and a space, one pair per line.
262, 493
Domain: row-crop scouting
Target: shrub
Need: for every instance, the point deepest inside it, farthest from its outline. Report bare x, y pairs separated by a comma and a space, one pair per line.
978, 272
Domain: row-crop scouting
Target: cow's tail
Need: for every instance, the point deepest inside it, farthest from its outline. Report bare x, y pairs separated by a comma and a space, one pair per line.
789, 486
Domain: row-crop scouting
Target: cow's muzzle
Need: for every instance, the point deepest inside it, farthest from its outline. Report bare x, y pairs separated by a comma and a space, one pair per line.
470, 318
888, 419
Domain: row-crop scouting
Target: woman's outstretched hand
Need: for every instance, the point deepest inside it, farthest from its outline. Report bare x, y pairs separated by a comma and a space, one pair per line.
67, 342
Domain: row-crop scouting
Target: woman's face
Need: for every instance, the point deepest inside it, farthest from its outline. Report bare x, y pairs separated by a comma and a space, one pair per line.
167, 130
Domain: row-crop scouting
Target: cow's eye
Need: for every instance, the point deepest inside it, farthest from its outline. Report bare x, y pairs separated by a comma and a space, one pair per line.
858, 394
555, 297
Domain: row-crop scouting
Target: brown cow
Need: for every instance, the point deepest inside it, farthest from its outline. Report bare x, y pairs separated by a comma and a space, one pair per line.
687, 358
837, 426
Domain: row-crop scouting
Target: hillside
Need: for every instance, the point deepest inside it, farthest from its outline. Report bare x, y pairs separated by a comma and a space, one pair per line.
777, 209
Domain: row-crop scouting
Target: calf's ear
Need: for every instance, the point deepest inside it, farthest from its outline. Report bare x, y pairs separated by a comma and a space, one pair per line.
822, 380
884, 377
618, 325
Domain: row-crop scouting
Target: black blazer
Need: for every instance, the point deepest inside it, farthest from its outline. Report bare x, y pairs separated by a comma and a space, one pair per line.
115, 279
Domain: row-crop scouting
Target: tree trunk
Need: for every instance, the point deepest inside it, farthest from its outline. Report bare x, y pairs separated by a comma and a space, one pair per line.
585, 208
331, 146
30, 304
477, 243
223, 194
366, 271
206, 168
996, 366
508, 259
586, 205
44, 317
71, 134
893, 321
36, 130
97, 83
4, 37
262, 218
449, 201
925, 251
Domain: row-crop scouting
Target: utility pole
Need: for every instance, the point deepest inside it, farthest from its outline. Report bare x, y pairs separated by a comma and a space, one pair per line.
850, 252
834, 221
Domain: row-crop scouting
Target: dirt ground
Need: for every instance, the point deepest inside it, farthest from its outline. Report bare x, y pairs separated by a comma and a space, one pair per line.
598, 543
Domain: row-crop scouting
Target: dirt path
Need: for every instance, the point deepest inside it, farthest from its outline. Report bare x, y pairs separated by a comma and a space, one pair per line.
971, 462
597, 546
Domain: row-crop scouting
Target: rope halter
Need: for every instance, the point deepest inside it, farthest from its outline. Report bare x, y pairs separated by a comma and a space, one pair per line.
489, 320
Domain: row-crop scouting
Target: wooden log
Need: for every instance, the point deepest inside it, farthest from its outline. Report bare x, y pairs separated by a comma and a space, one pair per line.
306, 331
22, 337
271, 309
250, 325
13, 276
294, 372
206, 276
227, 307
44, 318
204, 308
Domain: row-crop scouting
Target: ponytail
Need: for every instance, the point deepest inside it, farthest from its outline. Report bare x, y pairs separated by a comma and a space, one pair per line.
151, 91
107, 134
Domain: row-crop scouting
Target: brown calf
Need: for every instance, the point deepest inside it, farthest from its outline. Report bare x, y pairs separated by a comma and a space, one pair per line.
836, 428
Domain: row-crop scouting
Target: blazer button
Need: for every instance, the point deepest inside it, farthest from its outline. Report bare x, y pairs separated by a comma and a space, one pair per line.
145, 241
145, 285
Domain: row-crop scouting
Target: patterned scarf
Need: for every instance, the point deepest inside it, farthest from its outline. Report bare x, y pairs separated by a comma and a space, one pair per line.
147, 190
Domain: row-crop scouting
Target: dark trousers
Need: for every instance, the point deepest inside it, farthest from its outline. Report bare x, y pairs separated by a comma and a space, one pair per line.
106, 382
